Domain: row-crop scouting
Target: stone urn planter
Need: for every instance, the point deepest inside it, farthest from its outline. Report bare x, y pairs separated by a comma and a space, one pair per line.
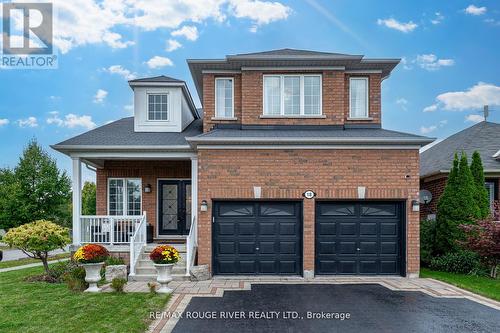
92, 276
164, 277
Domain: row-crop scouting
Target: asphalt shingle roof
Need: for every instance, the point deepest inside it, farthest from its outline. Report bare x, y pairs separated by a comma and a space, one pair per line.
483, 137
161, 78
291, 52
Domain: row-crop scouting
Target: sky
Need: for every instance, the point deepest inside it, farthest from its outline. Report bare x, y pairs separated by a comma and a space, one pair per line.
450, 53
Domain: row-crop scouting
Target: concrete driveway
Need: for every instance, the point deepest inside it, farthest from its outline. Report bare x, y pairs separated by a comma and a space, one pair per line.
335, 308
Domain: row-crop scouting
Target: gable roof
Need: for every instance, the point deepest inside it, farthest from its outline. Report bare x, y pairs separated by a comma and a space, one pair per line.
287, 58
161, 78
483, 137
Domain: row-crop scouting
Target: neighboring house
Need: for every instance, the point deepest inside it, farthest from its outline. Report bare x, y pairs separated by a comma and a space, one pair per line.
435, 163
286, 171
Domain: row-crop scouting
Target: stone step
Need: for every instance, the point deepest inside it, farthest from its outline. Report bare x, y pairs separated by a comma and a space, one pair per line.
149, 263
152, 278
152, 270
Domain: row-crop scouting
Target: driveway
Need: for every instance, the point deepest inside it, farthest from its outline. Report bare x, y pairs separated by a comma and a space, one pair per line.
341, 307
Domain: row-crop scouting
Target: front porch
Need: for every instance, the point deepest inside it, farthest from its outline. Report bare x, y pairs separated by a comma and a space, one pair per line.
140, 202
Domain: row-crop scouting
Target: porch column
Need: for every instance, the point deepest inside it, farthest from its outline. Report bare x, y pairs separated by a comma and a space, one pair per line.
194, 186
77, 198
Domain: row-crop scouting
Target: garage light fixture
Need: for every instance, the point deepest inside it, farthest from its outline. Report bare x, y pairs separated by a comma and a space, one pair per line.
415, 205
147, 188
204, 206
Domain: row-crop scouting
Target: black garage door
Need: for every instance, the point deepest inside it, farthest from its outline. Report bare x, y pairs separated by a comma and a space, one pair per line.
359, 238
257, 238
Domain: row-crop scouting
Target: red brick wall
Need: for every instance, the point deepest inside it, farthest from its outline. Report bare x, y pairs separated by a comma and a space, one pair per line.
249, 100
148, 172
436, 187
286, 174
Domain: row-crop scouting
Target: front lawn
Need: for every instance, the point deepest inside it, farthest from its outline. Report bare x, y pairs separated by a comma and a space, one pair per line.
43, 307
481, 285
26, 261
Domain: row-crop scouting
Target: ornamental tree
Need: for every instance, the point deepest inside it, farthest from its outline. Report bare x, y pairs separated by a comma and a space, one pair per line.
37, 239
481, 194
484, 239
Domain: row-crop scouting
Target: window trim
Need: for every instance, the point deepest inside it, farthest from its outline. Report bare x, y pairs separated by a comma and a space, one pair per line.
367, 80
491, 197
125, 194
147, 107
282, 97
217, 116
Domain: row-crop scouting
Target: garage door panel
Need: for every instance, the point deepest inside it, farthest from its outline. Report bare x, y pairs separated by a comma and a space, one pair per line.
347, 248
327, 228
288, 228
227, 228
389, 247
368, 267
389, 229
246, 247
327, 248
389, 267
227, 247
328, 266
246, 228
347, 266
368, 248
287, 266
347, 229
226, 266
267, 266
289, 247
247, 266
368, 229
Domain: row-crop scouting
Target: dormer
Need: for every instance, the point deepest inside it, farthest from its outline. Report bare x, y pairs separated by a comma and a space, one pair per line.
162, 104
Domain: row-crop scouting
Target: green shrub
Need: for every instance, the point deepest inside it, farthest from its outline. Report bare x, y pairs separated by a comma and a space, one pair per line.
427, 241
75, 279
59, 269
462, 262
114, 261
118, 284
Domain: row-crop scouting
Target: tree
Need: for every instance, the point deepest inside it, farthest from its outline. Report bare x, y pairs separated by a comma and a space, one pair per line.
456, 206
89, 198
484, 239
481, 194
34, 190
37, 239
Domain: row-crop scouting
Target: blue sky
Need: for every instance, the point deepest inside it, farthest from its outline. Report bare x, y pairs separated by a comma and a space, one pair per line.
450, 52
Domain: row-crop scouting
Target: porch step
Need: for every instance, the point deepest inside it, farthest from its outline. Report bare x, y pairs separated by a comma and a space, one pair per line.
152, 278
145, 270
152, 270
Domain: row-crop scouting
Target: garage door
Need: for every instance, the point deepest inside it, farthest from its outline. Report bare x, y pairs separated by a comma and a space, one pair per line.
257, 238
359, 238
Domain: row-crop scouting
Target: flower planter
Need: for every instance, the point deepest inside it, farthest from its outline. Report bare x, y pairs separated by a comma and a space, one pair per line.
92, 276
164, 277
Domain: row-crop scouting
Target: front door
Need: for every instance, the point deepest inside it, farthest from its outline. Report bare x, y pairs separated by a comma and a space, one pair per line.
174, 207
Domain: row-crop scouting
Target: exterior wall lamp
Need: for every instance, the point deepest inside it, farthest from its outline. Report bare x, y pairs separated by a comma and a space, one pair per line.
415, 205
147, 188
204, 206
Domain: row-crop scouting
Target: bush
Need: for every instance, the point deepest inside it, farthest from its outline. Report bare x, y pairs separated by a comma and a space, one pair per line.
118, 284
114, 261
152, 287
75, 279
58, 270
427, 241
463, 262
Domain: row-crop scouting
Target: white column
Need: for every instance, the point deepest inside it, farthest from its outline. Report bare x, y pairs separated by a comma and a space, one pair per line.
194, 186
77, 199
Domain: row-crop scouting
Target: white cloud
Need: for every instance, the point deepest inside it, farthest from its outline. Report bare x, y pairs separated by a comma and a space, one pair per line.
474, 98
159, 62
438, 18
190, 32
396, 25
71, 121
443, 122
4, 122
473, 10
253, 28
172, 45
492, 22
87, 22
406, 63
118, 69
427, 130
402, 102
475, 118
431, 108
100, 96
28, 122
431, 62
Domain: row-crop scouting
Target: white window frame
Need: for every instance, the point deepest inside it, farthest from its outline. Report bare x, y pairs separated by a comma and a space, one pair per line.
147, 106
282, 96
491, 193
232, 99
125, 194
367, 80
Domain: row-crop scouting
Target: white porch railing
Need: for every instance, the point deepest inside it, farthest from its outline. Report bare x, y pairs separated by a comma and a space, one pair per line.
191, 245
137, 243
106, 229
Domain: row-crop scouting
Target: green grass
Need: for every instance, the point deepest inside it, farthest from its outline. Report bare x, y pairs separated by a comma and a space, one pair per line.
480, 285
26, 261
44, 307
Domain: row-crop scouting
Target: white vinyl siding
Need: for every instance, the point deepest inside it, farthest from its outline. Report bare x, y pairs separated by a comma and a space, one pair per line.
358, 97
292, 95
224, 98
158, 107
124, 196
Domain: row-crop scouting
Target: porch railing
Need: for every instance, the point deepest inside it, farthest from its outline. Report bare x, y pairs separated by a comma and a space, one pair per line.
137, 243
191, 245
106, 229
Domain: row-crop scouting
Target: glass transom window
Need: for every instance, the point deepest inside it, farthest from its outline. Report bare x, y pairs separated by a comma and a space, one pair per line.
224, 102
292, 95
157, 107
124, 196
358, 95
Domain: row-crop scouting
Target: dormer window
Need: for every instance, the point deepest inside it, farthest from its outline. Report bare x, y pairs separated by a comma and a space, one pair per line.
224, 97
158, 107
358, 95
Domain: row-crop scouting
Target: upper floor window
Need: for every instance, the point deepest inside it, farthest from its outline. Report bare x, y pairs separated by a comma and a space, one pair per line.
292, 95
224, 98
358, 96
157, 107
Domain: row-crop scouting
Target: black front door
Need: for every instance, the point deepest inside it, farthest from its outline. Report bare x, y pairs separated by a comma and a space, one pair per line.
174, 207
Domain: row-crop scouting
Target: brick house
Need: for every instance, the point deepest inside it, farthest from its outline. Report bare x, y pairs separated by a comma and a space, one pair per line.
285, 171
435, 164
